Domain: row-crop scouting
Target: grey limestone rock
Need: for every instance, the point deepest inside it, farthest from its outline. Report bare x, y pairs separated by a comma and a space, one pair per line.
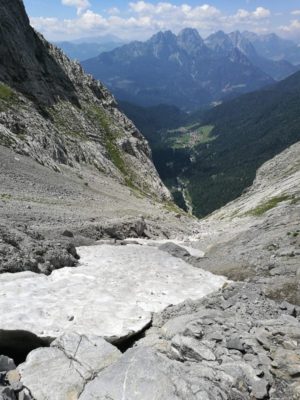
7, 393
175, 250
228, 350
23, 249
144, 373
235, 343
61, 371
191, 349
6, 364
10, 386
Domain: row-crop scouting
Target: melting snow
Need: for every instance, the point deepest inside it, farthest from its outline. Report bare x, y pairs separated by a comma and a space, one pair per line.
112, 292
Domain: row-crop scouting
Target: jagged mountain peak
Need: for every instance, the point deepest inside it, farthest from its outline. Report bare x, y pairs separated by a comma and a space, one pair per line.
251, 36
273, 38
219, 34
243, 44
163, 37
236, 35
162, 44
190, 34
237, 38
219, 42
190, 40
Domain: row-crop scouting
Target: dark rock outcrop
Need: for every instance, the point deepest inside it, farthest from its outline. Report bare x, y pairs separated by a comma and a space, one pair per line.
26, 64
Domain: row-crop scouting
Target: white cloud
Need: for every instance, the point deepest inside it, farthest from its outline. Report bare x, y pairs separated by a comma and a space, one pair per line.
113, 11
81, 5
295, 12
142, 19
165, 15
87, 23
293, 29
261, 13
43, 24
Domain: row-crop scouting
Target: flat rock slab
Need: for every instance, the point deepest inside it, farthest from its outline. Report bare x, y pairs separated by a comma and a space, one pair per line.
144, 374
61, 371
112, 293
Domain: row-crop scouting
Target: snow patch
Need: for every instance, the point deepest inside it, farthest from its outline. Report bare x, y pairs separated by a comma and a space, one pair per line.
112, 293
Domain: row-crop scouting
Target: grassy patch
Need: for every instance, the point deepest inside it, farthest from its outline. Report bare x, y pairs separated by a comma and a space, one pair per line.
172, 207
6, 93
268, 205
5, 196
110, 137
190, 136
294, 234
75, 134
5, 140
7, 97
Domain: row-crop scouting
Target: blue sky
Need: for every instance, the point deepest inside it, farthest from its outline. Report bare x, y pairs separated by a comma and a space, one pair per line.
136, 19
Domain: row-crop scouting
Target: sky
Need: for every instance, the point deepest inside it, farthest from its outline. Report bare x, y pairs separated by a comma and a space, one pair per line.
138, 20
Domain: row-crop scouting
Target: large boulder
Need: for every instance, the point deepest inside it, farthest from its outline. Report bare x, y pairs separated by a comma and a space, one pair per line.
143, 373
6, 364
61, 371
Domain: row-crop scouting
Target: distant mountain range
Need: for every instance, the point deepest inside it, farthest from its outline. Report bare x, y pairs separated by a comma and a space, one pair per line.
175, 69
274, 47
82, 49
186, 71
224, 44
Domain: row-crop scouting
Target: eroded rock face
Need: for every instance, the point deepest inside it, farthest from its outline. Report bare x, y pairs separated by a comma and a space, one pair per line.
112, 292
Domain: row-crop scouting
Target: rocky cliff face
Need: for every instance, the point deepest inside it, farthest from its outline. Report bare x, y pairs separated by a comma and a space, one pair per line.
51, 111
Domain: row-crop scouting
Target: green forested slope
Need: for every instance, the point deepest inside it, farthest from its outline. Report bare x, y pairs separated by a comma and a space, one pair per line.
247, 131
